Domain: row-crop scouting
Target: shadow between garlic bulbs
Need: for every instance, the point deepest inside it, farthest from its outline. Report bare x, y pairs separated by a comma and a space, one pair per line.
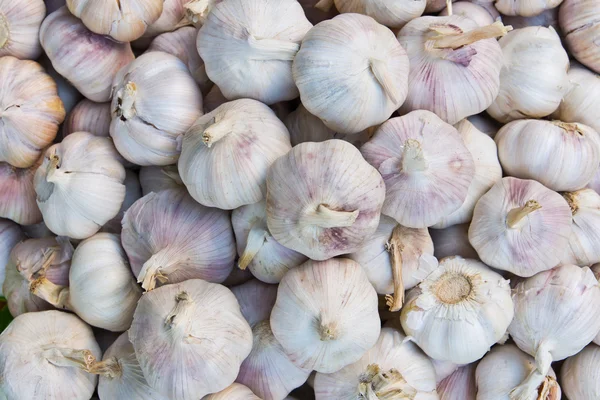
234, 392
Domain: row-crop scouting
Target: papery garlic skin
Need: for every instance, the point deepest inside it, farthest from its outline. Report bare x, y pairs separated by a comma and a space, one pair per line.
582, 99
595, 182
31, 111
196, 11
171, 18
547, 18
17, 194
525, 8
393, 14
443, 369
481, 15
19, 298
155, 179
452, 241
89, 61
579, 375
19, 28
10, 235
234, 392
460, 385
583, 249
190, 338
256, 300
344, 61
133, 192
578, 20
475, 304
89, 116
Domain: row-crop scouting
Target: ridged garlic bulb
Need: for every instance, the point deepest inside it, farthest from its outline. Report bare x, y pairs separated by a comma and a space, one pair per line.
31, 110
459, 311
155, 99
525, 8
547, 18
133, 192
582, 100
578, 20
43, 355
10, 235
234, 392
452, 241
460, 385
580, 374
171, 18
583, 249
17, 194
323, 199
88, 116
483, 16
155, 179
344, 61
520, 226
226, 153
393, 14
89, 61
19, 28
325, 316
79, 185
190, 338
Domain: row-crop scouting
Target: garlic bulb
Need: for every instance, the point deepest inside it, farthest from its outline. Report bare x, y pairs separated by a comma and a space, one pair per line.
562, 156
68, 94
485, 124
452, 241
582, 99
171, 18
344, 61
79, 185
234, 392
88, 61
31, 111
481, 15
323, 199
190, 338
426, 167
579, 374
393, 368
88, 116
248, 47
394, 14
256, 300
155, 179
505, 367
583, 246
155, 99
520, 226
525, 8
43, 356
547, 18
443, 369
325, 316
460, 385
169, 238
595, 182
133, 192
20, 27
578, 20
534, 78
555, 318
242, 137
17, 194
258, 251
10, 235
455, 65
459, 311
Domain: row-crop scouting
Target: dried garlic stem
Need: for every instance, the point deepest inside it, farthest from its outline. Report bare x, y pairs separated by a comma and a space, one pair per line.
516, 217
324, 5
449, 6
376, 384
216, 131
62, 357
383, 76
395, 247
110, 368
152, 271
325, 217
454, 41
38, 269
4, 31
571, 199
413, 158
54, 294
272, 49
126, 109
255, 241
570, 127
180, 313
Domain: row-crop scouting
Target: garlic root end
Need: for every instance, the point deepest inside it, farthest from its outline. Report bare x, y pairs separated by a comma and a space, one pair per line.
54, 294
62, 357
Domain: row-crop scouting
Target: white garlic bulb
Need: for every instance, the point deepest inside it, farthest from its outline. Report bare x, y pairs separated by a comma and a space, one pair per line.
31, 111
170, 238
248, 47
155, 179
190, 338
43, 355
79, 185
133, 192
583, 246
325, 316
234, 392
547, 18
171, 18
525, 8
579, 375
17, 194
155, 99
10, 235
459, 311
20, 27
460, 385
483, 16
394, 14
452, 241
88, 116
245, 133
578, 20
323, 199
533, 78
582, 99
520, 226
393, 368
89, 61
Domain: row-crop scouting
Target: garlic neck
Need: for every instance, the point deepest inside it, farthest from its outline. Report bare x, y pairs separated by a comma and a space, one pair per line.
126, 101
179, 317
453, 288
62, 357
256, 240
536, 383
266, 49
54, 294
154, 270
571, 127
110, 368
395, 248
413, 159
375, 384
516, 217
324, 217
217, 131
571, 198
4, 31
383, 76
453, 39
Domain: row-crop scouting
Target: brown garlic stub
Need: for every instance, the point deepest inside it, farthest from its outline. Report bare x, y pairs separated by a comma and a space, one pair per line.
10, 235
19, 28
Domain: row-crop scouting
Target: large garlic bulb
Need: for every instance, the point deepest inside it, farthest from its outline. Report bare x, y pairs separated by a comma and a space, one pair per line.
155, 99
226, 153
393, 368
525, 8
133, 192
580, 374
248, 47
10, 235
43, 355
190, 338
351, 66
394, 14
534, 78
582, 100
155, 179
89, 61
88, 116
520, 226
79, 185
234, 392
20, 27
170, 238
460, 385
578, 20
323, 199
459, 311
17, 194
30, 110
325, 316
483, 16
452, 241
583, 246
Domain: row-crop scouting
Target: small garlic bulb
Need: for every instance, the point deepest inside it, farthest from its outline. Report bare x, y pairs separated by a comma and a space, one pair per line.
452, 241
89, 61
483, 16
459, 311
525, 8
133, 192
190, 338
234, 392
520, 226
534, 78
20, 28
10, 235
171, 18
393, 14
583, 249
323, 199
460, 385
578, 20
30, 110
43, 355
580, 374
79, 185
547, 18
249, 55
170, 238
155, 99
17, 194
155, 179
325, 316
88, 116
243, 137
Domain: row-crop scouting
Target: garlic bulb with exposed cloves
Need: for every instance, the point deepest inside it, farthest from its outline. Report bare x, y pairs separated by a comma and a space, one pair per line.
520, 226
325, 316
534, 78
578, 19
323, 199
133, 192
43, 355
79, 185
344, 61
10, 235
88, 116
459, 311
481, 15
226, 153
460, 385
394, 14
169, 238
452, 241
155, 179
248, 47
190, 338
547, 18
30, 111
155, 99
89, 61
580, 374
583, 246
581, 102
17, 194
20, 27
525, 8
234, 392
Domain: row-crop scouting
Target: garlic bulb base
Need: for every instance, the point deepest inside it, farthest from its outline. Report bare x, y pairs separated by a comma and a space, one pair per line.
413, 158
62, 357
516, 217
324, 217
452, 40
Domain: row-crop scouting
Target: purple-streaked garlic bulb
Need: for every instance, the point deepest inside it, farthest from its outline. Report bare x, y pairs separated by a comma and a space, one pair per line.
10, 235
443, 369
89, 116
133, 192
155, 179
460, 385
579, 374
578, 20
20, 28
393, 14
452, 241
234, 392
483, 16
17, 194
583, 249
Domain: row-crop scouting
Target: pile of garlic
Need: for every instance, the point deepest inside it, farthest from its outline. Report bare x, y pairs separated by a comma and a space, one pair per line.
300, 199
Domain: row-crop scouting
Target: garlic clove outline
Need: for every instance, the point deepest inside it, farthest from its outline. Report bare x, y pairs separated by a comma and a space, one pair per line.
88, 116
460, 385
